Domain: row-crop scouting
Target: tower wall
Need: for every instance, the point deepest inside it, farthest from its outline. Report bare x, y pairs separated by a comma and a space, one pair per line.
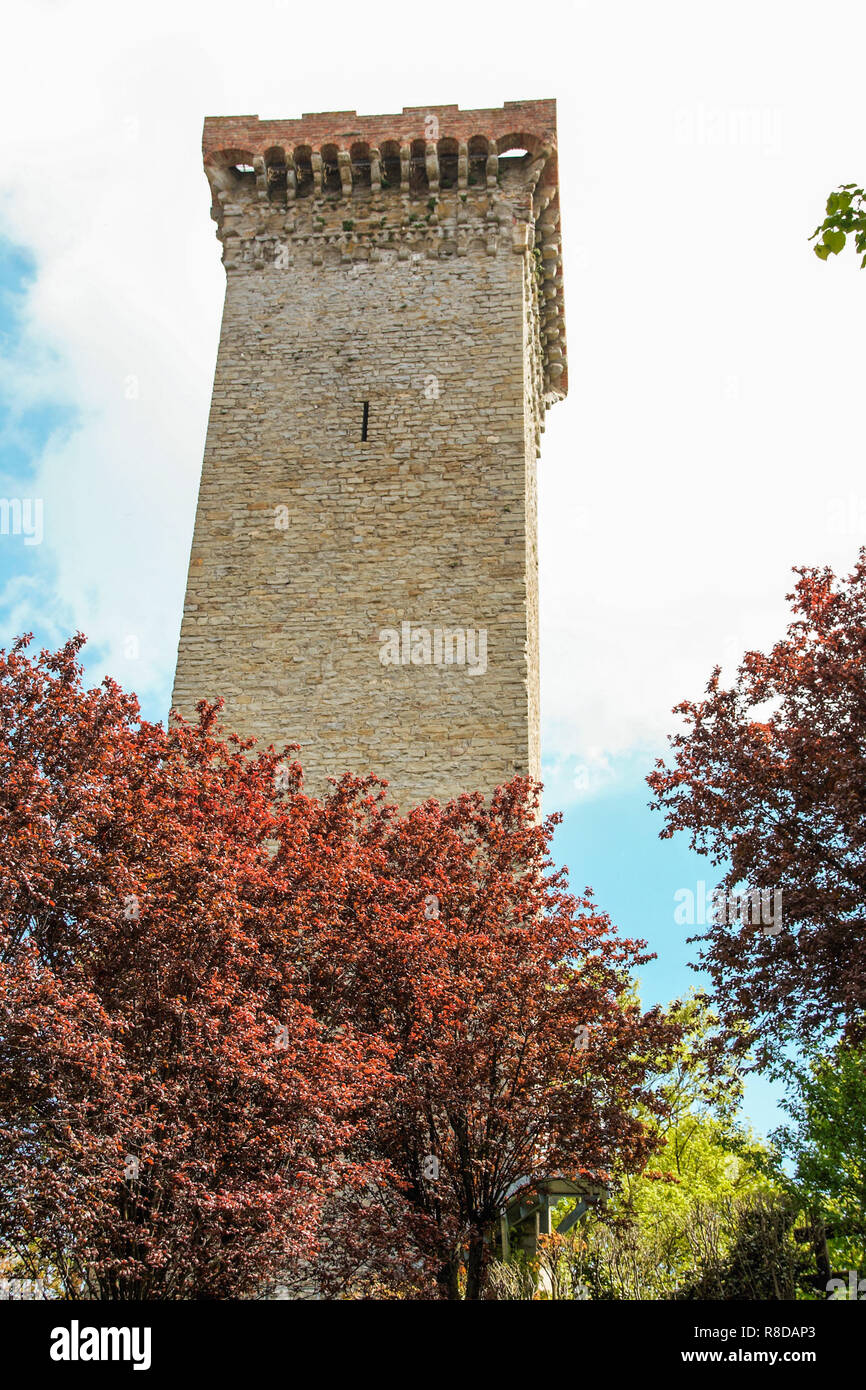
407, 289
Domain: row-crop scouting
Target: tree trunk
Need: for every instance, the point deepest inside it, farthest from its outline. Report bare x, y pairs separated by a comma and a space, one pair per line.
820, 1248
475, 1264
448, 1278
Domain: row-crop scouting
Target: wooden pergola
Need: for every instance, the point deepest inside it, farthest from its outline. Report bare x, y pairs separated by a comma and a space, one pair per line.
527, 1211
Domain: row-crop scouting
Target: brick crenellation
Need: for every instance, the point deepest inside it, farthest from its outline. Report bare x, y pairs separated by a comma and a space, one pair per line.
428, 179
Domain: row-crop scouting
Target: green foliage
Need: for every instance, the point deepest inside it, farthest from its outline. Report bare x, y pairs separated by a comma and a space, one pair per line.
666, 1228
720, 1215
825, 1144
748, 1249
702, 1160
846, 216
672, 1228
698, 1076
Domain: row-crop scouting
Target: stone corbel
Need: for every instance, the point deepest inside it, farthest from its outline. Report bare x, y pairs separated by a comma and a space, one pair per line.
463, 165
405, 158
536, 167
316, 165
221, 180
232, 249
344, 164
375, 171
492, 169
261, 178
432, 161
519, 236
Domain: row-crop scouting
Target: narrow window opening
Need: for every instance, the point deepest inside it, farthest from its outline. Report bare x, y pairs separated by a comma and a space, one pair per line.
365, 421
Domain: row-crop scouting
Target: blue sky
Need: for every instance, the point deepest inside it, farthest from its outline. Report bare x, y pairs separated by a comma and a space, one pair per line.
611, 843
715, 365
26, 432
26, 426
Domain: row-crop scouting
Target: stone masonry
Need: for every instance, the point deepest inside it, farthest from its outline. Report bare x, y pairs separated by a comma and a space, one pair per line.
364, 572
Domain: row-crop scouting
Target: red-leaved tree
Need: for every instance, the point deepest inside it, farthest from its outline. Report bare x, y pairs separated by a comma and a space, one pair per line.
173, 1115
769, 778
515, 1053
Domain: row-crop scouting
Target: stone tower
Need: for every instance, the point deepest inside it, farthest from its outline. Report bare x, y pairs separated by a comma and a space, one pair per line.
364, 570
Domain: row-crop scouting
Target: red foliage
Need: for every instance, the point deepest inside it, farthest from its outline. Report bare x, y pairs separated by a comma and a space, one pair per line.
251, 1037
500, 997
769, 778
173, 1115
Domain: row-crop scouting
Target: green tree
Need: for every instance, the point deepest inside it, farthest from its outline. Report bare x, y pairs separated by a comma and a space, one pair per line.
666, 1226
825, 1146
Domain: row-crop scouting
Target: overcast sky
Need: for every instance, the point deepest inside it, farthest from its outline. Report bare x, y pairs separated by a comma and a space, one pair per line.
712, 438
